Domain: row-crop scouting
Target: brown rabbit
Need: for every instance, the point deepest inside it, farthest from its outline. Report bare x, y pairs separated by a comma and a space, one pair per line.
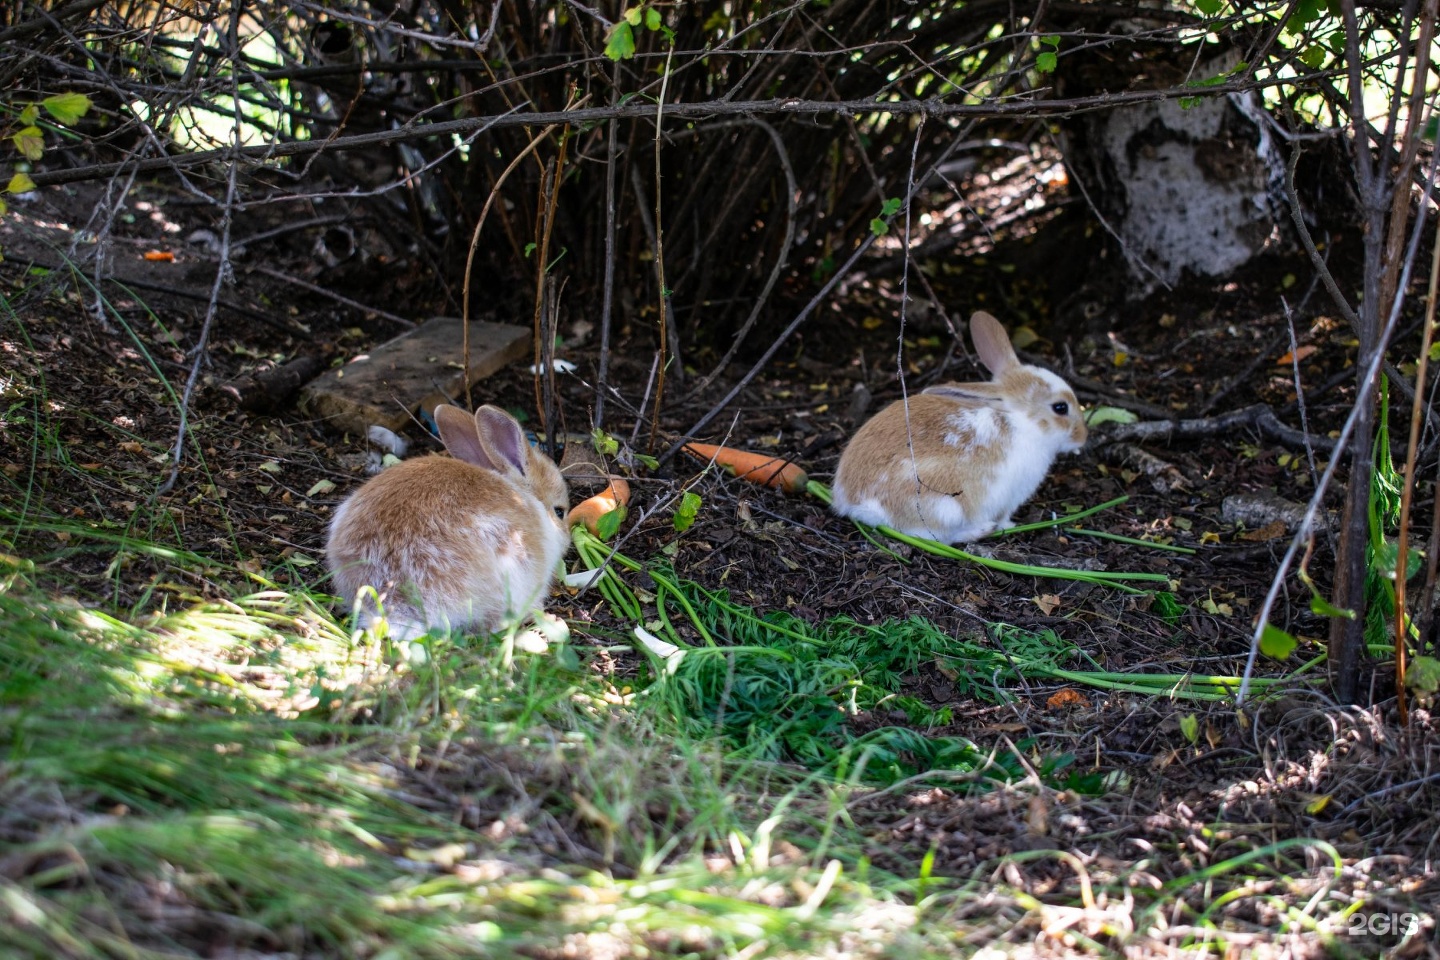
954, 462
468, 541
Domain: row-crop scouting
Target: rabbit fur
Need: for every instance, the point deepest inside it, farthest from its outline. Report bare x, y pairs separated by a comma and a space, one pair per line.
465, 542
955, 461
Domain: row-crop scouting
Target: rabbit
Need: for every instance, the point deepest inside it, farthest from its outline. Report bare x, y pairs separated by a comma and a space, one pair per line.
954, 462
468, 541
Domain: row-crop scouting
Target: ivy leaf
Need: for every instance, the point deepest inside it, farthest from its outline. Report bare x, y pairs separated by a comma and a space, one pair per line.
67, 107
620, 45
1276, 643
30, 142
687, 511
890, 207
879, 227
1045, 63
652, 19
20, 183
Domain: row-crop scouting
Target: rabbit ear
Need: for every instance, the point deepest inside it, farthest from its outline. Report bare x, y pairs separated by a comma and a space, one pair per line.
502, 438
457, 432
967, 391
992, 343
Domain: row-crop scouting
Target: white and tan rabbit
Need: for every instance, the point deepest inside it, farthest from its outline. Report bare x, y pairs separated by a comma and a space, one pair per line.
963, 456
468, 541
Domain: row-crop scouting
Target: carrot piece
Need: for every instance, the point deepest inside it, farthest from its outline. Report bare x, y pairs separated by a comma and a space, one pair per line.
589, 512
776, 472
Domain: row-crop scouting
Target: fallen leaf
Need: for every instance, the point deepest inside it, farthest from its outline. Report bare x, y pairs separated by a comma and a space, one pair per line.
321, 486
1047, 602
1300, 353
1066, 697
1273, 530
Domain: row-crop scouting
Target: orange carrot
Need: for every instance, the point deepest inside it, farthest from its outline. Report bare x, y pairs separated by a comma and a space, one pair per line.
589, 512
774, 472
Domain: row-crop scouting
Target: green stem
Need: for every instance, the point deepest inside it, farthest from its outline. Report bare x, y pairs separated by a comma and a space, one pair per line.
1119, 538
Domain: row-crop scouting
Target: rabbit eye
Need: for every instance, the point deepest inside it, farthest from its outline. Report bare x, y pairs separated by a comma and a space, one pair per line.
560, 511
1061, 408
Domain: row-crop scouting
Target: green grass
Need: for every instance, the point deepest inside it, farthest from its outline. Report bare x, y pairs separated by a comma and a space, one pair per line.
251, 773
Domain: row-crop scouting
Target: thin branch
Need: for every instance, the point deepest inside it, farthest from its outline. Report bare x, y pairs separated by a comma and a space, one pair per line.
586, 116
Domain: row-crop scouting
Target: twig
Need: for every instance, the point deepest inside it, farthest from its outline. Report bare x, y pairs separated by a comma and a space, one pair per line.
331, 294
663, 295
781, 262
1258, 416
223, 273
607, 300
1402, 561
581, 117
475, 242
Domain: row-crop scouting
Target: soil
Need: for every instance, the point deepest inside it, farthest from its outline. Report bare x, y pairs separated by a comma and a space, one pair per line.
102, 382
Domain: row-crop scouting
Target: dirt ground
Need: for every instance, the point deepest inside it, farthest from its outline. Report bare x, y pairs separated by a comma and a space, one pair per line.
103, 379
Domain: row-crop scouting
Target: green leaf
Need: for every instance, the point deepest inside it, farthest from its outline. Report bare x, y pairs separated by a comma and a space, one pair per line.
67, 107
1435, 347
529, 249
1208, 7
632, 16
879, 227
652, 19
1313, 57
1051, 41
1190, 727
604, 443
1324, 608
1045, 63
609, 523
1098, 415
1276, 643
620, 45
20, 183
1388, 553
30, 114
30, 141
687, 511
1423, 675
891, 207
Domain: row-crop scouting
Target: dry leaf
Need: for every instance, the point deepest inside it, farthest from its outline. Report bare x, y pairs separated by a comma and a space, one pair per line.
1067, 697
1300, 353
1273, 530
1047, 602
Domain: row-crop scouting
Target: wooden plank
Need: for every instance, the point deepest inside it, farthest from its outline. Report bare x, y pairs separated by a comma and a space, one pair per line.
419, 368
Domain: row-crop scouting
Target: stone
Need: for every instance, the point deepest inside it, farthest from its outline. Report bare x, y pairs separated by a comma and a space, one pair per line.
420, 368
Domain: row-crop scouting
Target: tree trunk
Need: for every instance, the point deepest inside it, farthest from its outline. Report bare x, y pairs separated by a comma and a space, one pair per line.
1182, 185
